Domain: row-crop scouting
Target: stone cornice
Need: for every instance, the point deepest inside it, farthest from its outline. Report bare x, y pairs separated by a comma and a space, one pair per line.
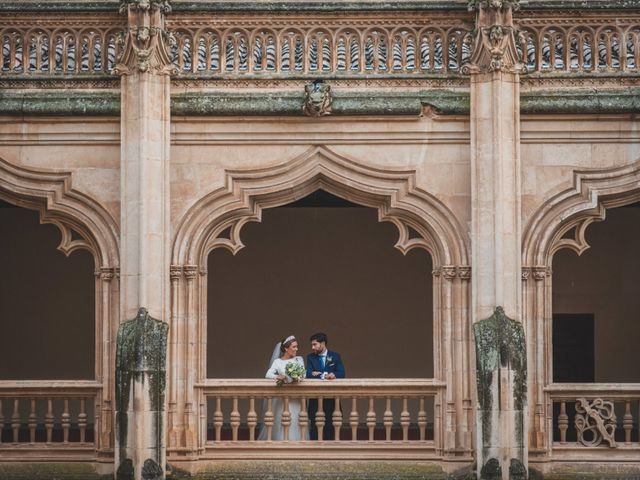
307, 5
107, 103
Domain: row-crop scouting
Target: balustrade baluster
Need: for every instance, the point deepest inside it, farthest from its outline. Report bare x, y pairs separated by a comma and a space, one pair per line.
49, 419
320, 420
422, 420
218, 419
387, 419
337, 419
354, 419
268, 418
303, 418
33, 421
66, 421
286, 418
371, 419
627, 422
235, 420
82, 420
252, 419
15, 419
405, 419
563, 422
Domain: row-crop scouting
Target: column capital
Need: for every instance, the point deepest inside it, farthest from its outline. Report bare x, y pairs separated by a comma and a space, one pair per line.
493, 40
145, 41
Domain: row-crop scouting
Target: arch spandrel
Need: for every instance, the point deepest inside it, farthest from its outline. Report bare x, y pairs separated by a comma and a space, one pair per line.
593, 192
52, 195
392, 192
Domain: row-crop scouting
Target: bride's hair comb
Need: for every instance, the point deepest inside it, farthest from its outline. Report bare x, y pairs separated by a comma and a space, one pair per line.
290, 338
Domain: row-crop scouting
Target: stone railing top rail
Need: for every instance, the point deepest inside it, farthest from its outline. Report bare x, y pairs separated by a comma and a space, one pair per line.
357, 386
49, 388
571, 391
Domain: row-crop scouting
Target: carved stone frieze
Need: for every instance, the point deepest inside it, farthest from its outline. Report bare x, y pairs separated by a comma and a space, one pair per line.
145, 42
493, 41
190, 271
595, 422
175, 272
526, 273
540, 273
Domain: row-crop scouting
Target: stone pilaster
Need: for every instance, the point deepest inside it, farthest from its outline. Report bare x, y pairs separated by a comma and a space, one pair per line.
144, 66
496, 237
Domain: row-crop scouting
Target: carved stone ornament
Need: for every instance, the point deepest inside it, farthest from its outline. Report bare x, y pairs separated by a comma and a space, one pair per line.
145, 41
317, 99
493, 41
595, 422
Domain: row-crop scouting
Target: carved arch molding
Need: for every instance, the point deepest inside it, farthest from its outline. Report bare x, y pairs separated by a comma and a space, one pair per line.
562, 221
422, 220
51, 194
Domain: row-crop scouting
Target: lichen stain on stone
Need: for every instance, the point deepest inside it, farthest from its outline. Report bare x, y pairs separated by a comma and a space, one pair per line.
140, 357
499, 342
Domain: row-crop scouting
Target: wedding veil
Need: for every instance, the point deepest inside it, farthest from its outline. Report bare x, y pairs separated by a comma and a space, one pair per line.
275, 354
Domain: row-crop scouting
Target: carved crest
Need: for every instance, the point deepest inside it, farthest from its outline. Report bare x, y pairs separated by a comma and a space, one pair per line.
493, 41
595, 422
317, 99
145, 41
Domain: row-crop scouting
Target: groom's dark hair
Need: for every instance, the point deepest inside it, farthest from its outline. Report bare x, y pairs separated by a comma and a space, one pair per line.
319, 337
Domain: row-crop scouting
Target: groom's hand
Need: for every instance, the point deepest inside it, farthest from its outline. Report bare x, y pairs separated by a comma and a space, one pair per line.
330, 376
316, 374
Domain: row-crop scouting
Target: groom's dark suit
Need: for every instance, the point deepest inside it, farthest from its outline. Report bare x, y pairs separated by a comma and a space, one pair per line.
332, 364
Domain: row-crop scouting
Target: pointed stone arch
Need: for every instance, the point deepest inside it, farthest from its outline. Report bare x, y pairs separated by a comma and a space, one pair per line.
84, 224
392, 192
562, 222
423, 221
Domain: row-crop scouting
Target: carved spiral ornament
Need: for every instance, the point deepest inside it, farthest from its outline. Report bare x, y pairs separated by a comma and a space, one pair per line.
595, 422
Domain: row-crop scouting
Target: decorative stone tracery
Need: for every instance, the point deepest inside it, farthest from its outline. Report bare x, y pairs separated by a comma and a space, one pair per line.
422, 221
58, 203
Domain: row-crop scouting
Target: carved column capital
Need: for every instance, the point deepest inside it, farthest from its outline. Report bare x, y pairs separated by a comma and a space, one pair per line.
464, 273
493, 40
145, 40
190, 271
540, 272
526, 273
175, 272
106, 273
449, 272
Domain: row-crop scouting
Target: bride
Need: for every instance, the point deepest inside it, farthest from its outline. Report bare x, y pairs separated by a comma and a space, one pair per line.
284, 353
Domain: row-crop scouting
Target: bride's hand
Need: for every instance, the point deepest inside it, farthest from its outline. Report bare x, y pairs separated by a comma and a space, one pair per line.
282, 378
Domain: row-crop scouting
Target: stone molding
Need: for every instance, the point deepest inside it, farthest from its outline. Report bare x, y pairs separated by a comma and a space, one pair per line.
246, 193
562, 220
52, 195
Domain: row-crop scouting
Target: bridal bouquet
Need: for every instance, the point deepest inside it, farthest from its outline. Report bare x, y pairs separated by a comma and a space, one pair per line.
294, 370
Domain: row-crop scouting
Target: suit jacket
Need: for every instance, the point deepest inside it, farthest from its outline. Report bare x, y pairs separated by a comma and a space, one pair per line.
333, 364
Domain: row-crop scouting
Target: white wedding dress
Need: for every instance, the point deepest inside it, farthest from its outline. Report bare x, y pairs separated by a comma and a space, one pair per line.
277, 407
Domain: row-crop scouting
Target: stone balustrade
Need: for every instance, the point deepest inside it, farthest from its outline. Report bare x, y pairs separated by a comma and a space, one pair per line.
318, 44
48, 415
594, 416
375, 413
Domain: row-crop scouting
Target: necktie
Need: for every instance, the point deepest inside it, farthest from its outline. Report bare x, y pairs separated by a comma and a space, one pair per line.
322, 361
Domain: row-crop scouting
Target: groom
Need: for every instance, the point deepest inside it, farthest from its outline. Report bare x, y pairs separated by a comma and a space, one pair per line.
323, 364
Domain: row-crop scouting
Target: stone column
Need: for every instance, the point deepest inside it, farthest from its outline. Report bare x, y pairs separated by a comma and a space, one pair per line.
495, 241
144, 66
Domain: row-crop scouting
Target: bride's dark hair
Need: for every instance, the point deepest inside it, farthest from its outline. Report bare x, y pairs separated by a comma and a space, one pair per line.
284, 344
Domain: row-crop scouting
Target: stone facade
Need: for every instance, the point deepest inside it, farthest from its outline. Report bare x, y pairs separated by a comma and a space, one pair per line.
490, 134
